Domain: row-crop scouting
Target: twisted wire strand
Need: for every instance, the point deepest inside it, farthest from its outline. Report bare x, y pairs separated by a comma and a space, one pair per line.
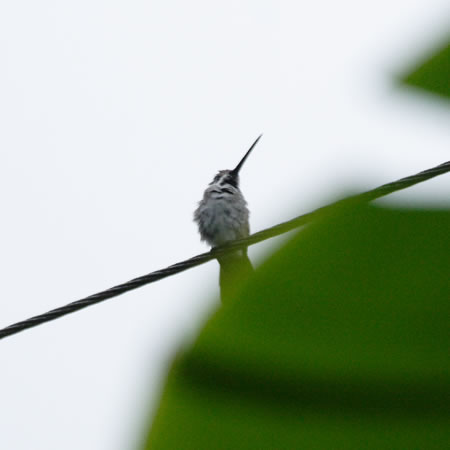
276, 230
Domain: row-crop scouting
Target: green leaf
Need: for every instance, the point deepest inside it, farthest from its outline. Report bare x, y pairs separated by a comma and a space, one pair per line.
432, 73
339, 341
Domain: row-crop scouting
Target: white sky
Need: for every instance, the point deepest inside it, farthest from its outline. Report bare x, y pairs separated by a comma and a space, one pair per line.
114, 117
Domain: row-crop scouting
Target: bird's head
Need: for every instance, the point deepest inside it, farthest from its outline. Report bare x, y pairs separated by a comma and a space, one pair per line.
224, 177
232, 176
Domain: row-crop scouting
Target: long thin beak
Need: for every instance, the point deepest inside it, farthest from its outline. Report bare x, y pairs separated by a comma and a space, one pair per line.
236, 170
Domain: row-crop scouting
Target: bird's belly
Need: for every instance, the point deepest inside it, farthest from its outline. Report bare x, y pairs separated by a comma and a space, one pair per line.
224, 222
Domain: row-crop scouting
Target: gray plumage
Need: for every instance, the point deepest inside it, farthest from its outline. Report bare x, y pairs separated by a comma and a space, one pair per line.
222, 216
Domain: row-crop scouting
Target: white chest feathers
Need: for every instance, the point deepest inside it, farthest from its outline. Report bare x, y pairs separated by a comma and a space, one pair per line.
222, 215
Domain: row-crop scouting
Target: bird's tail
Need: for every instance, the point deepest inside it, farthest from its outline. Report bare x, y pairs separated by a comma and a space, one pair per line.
234, 269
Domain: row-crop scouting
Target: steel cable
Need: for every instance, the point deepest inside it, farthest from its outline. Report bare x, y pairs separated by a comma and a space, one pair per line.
218, 251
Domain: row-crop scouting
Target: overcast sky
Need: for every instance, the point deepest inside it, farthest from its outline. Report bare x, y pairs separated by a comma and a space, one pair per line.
114, 117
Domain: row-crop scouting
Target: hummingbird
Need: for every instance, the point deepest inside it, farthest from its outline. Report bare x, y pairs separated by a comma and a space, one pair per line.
222, 216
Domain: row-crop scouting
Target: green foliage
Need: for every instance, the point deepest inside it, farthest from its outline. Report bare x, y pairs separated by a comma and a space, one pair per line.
339, 341
433, 73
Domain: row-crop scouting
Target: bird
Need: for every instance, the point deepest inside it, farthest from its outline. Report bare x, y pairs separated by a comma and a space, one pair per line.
223, 216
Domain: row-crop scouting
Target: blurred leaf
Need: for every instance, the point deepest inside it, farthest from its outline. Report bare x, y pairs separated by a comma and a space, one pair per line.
433, 73
340, 341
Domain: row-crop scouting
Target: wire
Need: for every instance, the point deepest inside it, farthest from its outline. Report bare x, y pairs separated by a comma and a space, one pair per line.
219, 251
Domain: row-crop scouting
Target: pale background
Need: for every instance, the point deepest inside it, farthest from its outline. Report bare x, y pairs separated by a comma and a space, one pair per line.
114, 117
